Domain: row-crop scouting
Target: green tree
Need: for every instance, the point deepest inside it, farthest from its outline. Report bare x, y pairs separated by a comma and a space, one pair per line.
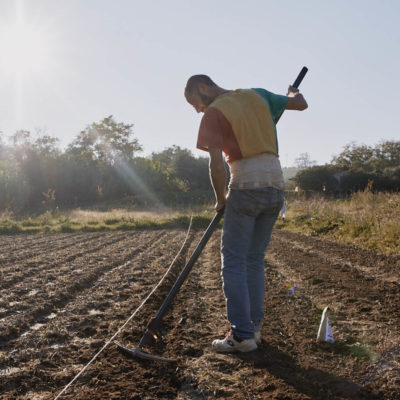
47, 146
180, 164
354, 156
105, 141
363, 163
386, 155
21, 145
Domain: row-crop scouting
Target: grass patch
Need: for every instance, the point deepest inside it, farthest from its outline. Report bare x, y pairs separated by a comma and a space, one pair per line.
96, 221
31, 222
367, 219
65, 228
111, 221
8, 227
355, 348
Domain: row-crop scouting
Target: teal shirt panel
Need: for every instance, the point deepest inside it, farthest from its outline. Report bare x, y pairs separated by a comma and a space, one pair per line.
276, 104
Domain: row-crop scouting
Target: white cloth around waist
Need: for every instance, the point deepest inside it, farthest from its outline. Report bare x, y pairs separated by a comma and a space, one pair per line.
262, 170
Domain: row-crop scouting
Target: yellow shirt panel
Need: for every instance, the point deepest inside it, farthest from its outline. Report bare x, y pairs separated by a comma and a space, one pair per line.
251, 121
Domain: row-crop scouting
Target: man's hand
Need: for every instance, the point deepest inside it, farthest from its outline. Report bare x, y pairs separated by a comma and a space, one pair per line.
296, 100
219, 206
292, 91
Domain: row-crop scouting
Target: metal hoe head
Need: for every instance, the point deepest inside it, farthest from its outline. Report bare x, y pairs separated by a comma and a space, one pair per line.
138, 353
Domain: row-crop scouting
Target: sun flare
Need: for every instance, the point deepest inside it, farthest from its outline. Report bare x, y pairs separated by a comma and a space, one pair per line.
24, 51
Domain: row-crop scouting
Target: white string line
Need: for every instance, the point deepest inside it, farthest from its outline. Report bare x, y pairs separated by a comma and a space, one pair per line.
129, 319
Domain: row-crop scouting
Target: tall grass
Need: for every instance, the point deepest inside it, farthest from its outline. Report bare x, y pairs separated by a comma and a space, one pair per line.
366, 218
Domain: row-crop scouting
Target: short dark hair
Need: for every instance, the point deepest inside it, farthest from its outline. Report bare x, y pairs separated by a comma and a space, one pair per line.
194, 81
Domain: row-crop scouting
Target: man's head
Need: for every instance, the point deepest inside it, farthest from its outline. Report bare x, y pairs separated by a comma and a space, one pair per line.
201, 91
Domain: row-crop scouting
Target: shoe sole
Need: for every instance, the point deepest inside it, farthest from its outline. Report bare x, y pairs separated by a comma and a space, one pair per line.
234, 350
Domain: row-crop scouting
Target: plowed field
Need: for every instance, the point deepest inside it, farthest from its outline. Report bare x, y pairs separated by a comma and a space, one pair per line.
64, 295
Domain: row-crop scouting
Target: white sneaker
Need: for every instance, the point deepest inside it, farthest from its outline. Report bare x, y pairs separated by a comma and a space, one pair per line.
257, 337
232, 344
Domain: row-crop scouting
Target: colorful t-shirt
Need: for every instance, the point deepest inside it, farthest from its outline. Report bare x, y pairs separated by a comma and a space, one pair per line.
241, 123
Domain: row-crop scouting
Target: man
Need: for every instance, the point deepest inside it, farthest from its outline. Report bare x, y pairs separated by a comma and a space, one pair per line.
240, 123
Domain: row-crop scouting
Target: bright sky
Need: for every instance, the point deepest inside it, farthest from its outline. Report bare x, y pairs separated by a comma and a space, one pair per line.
67, 63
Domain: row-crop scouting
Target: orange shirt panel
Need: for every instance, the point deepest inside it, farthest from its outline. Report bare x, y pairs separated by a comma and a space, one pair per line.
216, 132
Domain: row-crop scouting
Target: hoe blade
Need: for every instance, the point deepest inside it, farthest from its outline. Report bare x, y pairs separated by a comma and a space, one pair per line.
138, 353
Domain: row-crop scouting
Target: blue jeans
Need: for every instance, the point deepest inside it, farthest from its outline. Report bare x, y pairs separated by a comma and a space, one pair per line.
248, 221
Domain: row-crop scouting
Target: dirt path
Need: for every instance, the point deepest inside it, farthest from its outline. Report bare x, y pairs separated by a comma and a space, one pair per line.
64, 295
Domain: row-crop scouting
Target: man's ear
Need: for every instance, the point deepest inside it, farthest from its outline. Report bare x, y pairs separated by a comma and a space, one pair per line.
203, 88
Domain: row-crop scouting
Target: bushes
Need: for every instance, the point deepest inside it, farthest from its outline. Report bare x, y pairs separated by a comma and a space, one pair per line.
318, 178
352, 169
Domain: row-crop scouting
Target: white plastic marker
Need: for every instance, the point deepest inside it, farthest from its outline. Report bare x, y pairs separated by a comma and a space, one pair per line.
325, 333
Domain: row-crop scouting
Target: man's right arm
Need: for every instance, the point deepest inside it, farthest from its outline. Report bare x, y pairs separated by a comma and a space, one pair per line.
218, 176
296, 101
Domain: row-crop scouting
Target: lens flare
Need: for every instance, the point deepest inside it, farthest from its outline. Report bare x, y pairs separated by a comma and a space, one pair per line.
24, 51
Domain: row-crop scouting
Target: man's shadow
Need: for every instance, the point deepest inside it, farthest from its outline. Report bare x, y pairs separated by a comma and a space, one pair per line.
311, 382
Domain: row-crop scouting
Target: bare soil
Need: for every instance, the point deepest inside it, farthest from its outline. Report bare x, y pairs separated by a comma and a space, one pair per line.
64, 295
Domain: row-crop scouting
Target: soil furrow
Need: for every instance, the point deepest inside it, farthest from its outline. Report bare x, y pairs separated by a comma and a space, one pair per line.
382, 266
41, 265
353, 286
29, 240
18, 324
92, 299
21, 246
62, 243
12, 300
343, 263
132, 388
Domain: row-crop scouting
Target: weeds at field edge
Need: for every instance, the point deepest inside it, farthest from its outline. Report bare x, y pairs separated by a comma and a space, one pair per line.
66, 224
367, 219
